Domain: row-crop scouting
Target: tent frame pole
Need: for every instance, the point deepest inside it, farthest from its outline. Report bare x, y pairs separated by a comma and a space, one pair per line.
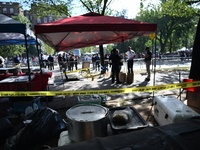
28, 62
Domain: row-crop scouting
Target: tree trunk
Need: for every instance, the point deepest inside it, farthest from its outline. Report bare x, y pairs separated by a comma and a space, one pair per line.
194, 69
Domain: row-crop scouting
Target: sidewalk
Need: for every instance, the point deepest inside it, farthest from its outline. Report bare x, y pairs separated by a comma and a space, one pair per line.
102, 82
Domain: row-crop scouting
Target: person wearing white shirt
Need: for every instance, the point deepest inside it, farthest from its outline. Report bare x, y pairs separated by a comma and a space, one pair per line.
131, 55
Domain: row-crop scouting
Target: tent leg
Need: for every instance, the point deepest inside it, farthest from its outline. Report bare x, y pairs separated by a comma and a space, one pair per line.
29, 74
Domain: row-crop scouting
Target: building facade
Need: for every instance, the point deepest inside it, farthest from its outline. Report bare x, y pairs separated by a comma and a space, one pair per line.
14, 9
11, 9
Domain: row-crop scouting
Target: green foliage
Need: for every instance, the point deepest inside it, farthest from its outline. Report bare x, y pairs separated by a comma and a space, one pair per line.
109, 48
177, 8
42, 8
87, 49
47, 49
172, 29
11, 50
32, 50
21, 18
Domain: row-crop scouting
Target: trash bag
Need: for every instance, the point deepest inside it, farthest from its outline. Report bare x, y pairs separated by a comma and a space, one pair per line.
6, 129
39, 126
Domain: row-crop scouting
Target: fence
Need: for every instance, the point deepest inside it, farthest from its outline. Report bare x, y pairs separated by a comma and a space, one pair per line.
139, 64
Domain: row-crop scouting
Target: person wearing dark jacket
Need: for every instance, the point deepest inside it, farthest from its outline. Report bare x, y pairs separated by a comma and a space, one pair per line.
147, 59
51, 62
115, 60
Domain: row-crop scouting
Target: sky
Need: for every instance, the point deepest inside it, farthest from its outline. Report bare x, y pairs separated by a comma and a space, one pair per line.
132, 6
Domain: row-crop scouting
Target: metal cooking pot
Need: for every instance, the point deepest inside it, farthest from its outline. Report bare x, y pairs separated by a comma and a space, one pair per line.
87, 121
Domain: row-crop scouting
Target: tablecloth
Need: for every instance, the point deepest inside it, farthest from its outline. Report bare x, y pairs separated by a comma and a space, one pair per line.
39, 83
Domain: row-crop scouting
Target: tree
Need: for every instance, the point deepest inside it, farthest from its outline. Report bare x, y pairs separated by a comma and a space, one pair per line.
43, 8
21, 18
11, 50
169, 26
185, 8
47, 49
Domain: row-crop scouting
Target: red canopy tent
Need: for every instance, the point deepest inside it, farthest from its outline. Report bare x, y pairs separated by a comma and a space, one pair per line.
89, 30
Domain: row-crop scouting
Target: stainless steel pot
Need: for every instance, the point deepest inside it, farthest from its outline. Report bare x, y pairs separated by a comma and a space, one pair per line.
87, 121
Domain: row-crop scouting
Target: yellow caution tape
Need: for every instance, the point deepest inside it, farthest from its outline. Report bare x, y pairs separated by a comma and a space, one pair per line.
86, 69
106, 91
17, 65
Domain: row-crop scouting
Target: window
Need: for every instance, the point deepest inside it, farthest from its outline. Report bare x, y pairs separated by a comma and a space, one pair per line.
38, 20
4, 10
45, 19
50, 19
11, 10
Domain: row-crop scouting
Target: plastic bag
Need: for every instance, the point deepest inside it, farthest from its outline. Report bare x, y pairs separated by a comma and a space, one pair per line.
6, 129
37, 127
122, 116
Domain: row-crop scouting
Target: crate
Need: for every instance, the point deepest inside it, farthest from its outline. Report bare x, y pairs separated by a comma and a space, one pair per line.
89, 99
20, 106
169, 109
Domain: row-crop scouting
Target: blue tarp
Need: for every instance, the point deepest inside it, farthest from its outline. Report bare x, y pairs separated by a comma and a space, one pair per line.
13, 32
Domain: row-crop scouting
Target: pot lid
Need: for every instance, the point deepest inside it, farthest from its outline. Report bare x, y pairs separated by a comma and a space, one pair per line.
86, 113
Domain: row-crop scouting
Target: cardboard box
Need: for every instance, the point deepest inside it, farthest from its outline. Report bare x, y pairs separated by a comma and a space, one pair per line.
89, 99
193, 99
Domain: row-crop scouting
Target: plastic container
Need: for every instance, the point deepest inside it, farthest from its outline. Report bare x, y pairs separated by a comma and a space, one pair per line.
192, 89
169, 109
89, 99
87, 121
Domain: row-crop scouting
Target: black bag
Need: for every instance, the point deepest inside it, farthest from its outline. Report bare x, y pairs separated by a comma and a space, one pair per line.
121, 63
6, 129
45, 124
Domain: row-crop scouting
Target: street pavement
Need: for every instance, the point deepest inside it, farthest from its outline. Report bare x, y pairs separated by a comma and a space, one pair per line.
78, 82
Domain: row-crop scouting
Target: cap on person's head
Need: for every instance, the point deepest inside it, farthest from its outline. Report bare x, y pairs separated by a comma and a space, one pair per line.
129, 47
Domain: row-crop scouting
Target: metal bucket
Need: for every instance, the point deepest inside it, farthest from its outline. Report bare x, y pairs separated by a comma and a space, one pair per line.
87, 121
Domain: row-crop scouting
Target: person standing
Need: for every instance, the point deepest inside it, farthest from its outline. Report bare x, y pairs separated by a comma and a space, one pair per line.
42, 58
17, 60
64, 62
60, 62
97, 62
71, 62
51, 62
115, 61
131, 55
94, 61
76, 58
147, 59
2, 61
